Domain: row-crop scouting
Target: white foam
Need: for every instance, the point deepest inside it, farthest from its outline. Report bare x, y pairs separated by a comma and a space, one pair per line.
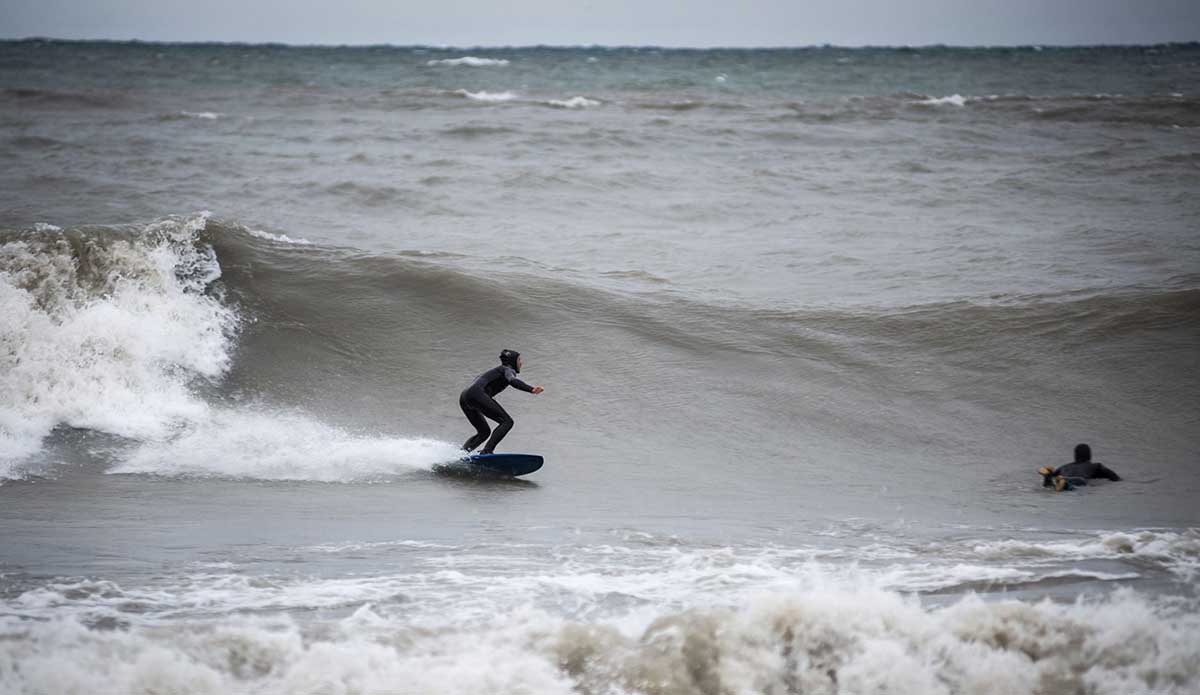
1179, 552
494, 617
470, 61
281, 446
493, 97
105, 334
924, 577
1024, 549
952, 100
819, 638
356, 547
720, 79
281, 238
576, 102
201, 115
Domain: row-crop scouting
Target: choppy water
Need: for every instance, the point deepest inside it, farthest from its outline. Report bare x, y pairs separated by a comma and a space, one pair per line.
807, 320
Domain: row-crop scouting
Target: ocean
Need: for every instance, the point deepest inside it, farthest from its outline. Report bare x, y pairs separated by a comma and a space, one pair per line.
808, 321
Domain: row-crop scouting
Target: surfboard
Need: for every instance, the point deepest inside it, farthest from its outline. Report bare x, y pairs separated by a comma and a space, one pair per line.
506, 464
1059, 483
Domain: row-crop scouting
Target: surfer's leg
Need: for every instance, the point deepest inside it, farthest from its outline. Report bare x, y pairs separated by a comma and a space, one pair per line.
504, 423
476, 419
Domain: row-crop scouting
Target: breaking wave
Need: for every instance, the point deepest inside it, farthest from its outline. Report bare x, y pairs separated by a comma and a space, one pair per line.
816, 639
129, 331
138, 331
644, 615
105, 331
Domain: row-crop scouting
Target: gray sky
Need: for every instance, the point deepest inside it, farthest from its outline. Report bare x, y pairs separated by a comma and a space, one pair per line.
611, 22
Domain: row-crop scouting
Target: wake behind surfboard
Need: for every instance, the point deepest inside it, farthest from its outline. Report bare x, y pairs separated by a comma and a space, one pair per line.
503, 465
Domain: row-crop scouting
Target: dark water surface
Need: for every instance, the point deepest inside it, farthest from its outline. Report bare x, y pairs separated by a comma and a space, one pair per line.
808, 321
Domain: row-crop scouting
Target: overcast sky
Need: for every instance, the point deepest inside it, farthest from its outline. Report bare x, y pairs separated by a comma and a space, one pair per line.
611, 22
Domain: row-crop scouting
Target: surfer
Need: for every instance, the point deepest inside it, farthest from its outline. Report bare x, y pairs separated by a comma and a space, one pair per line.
477, 401
1078, 473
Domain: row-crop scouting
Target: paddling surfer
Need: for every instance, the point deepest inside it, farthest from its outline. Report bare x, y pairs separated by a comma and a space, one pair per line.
1077, 473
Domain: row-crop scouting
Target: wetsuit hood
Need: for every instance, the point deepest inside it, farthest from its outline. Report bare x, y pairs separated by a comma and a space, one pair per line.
509, 358
1083, 453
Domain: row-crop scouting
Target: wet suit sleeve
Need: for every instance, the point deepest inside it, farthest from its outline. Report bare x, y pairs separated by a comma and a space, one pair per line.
1103, 471
514, 382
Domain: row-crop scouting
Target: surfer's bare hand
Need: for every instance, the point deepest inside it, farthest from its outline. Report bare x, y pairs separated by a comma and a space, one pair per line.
538, 389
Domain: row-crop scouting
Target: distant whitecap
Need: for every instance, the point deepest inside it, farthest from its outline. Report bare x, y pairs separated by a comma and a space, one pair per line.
952, 100
470, 61
487, 96
576, 102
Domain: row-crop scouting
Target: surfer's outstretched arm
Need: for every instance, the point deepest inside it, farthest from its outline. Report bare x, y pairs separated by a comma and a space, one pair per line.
1103, 471
515, 382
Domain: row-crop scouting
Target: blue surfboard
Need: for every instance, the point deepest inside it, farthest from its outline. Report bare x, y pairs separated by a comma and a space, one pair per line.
506, 464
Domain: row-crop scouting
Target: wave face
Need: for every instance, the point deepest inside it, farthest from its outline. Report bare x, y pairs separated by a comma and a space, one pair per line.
218, 350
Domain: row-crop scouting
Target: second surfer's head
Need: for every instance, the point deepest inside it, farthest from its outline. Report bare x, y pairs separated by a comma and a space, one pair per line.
512, 358
1083, 453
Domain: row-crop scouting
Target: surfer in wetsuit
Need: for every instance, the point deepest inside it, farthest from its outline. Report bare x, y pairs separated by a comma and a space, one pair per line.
477, 401
1077, 473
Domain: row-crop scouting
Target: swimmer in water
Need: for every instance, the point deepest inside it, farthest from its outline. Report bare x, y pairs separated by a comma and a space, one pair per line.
1077, 473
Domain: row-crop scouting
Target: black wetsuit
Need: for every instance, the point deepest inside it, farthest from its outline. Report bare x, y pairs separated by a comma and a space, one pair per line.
1080, 472
476, 402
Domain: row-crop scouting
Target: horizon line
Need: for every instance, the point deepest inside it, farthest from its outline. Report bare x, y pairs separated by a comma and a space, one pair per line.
493, 47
